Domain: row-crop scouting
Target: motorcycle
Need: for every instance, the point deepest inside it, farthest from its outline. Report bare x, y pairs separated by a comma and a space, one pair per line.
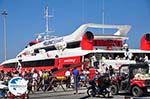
100, 89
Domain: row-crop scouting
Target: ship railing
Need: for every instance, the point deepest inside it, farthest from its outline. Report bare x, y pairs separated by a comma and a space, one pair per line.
45, 36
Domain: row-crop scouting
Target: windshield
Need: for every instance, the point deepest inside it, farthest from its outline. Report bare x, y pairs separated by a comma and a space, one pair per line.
140, 70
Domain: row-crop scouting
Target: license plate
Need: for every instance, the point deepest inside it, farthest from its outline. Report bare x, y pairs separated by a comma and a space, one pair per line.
148, 89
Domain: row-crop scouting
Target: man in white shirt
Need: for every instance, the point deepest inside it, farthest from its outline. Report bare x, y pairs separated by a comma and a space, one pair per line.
35, 79
86, 74
68, 76
93, 60
146, 58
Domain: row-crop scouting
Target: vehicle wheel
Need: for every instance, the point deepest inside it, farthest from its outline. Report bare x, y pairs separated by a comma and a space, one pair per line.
91, 93
136, 91
114, 89
106, 94
109, 94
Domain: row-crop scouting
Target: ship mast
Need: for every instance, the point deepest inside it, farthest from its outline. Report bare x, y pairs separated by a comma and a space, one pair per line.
45, 36
47, 16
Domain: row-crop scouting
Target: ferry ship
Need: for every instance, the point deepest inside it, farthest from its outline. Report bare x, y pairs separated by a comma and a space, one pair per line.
74, 48
52, 52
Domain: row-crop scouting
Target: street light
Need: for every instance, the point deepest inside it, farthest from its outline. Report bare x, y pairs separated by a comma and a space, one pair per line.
4, 14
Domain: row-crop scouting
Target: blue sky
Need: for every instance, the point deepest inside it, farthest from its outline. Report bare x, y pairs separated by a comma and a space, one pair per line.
25, 19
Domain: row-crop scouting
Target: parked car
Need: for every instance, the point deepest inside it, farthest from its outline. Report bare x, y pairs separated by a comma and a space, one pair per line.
132, 78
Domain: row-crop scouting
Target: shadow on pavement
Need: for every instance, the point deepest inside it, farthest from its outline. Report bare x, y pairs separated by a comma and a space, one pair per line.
56, 94
85, 97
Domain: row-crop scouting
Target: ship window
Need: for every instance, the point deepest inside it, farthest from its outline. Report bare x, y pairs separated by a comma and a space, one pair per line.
47, 62
54, 70
73, 44
31, 44
66, 65
36, 51
50, 48
10, 65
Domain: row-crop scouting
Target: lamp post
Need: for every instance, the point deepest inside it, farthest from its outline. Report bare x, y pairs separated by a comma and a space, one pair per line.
4, 14
103, 16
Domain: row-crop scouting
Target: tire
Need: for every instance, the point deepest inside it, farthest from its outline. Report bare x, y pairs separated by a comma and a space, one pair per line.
137, 91
108, 94
91, 93
114, 89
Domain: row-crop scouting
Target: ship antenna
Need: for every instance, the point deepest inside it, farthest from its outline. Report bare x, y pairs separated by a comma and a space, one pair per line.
44, 35
47, 16
103, 16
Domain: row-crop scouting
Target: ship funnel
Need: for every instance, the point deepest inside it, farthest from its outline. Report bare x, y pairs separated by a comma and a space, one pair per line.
145, 42
87, 41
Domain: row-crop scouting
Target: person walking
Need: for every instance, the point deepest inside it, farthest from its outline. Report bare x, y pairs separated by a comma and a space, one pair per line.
68, 77
75, 73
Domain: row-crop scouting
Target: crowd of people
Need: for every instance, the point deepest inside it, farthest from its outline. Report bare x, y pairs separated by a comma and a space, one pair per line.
45, 80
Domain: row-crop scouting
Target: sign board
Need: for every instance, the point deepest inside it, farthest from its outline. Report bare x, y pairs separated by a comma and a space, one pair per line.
17, 86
